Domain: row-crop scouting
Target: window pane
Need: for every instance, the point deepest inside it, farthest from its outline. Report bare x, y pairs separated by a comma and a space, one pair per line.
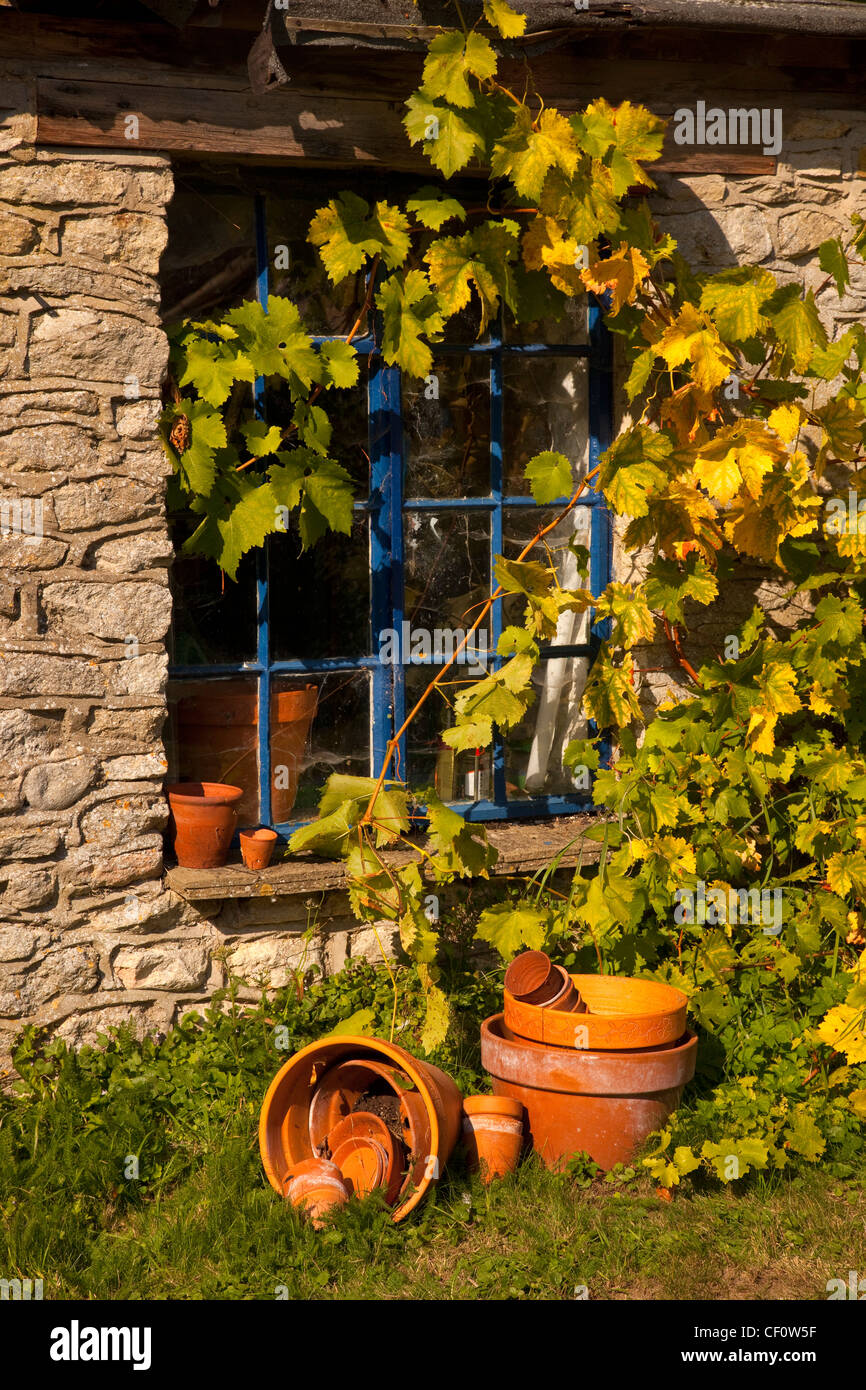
347, 415
571, 325
213, 617
296, 270
534, 749
319, 725
447, 570
546, 407
320, 598
455, 776
209, 264
446, 429
520, 525
212, 736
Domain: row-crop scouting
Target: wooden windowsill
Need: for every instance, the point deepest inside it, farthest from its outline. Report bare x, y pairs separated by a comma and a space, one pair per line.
524, 848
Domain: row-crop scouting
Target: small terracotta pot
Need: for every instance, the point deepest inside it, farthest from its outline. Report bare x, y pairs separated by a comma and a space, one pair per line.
257, 846
363, 1163
317, 1188
532, 978
567, 1000
363, 1125
492, 1135
202, 822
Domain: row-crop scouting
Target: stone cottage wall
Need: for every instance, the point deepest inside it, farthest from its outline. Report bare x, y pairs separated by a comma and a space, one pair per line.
89, 933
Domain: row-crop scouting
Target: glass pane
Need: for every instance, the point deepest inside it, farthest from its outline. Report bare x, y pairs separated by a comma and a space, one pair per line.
347, 414
456, 776
212, 736
209, 264
213, 617
546, 407
569, 325
320, 598
534, 749
319, 725
447, 572
446, 429
296, 270
520, 525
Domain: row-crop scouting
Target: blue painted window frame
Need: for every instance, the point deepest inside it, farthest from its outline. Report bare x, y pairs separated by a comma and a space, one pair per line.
386, 508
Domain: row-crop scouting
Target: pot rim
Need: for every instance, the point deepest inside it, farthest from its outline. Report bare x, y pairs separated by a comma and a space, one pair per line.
262, 836
184, 794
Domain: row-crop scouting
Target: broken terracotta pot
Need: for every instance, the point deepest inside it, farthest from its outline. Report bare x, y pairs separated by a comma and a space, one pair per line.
604, 1103
292, 1101
362, 1125
492, 1135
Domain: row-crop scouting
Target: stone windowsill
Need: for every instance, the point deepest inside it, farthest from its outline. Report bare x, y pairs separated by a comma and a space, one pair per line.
525, 847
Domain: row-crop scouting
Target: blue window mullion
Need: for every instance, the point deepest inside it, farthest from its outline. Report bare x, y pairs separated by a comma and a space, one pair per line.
263, 647
496, 542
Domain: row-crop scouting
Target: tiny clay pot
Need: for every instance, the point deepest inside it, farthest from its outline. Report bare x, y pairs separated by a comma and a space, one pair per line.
532, 978
257, 846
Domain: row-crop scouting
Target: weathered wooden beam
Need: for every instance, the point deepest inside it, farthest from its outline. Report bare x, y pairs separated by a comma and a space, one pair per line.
281, 126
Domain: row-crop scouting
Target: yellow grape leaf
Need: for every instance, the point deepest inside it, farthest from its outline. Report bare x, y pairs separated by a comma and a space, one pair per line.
787, 420
842, 1029
857, 1101
693, 338
621, 273
545, 248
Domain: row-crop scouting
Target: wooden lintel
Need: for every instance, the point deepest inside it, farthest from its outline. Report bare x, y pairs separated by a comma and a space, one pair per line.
321, 129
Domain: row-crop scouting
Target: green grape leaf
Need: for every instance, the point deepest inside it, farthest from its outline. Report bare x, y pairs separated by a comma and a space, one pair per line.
433, 208
529, 150
410, 309
549, 476
275, 342
510, 929
213, 368
796, 324
483, 259
341, 363
329, 835
196, 466
734, 299
832, 258
348, 233
451, 58
260, 438
450, 139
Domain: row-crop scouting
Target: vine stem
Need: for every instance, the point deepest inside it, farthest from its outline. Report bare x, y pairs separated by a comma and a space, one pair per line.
393, 743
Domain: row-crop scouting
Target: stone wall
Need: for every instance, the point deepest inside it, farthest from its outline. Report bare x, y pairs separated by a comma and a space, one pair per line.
89, 933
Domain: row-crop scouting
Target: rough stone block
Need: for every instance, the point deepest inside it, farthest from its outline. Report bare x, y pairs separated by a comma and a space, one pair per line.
109, 612
54, 786
167, 967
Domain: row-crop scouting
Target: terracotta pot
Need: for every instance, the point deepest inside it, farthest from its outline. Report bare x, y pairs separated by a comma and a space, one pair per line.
257, 846
217, 734
202, 822
284, 1125
344, 1085
362, 1125
316, 1187
601, 1103
566, 1000
533, 978
621, 1013
492, 1135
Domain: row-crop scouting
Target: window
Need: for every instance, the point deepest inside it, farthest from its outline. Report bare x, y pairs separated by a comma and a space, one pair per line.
308, 662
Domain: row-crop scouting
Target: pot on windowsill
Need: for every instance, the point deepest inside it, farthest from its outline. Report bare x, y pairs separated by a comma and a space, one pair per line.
203, 819
257, 846
218, 737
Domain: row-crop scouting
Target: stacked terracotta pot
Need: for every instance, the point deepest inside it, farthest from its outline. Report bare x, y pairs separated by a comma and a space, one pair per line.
597, 1063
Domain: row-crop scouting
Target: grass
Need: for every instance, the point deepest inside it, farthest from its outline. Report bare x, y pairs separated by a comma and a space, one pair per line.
200, 1221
